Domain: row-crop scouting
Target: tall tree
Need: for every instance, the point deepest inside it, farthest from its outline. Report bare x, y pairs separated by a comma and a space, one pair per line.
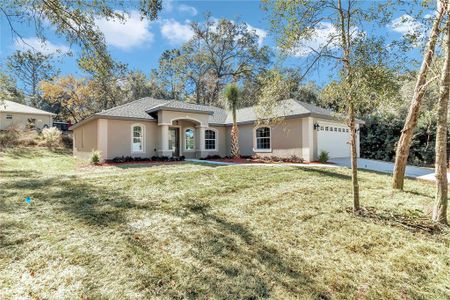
170, 73
135, 85
404, 142
31, 67
220, 52
232, 51
71, 98
232, 96
295, 22
441, 165
106, 79
9, 90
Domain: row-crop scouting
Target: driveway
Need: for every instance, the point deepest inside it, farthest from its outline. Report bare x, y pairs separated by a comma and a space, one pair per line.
386, 167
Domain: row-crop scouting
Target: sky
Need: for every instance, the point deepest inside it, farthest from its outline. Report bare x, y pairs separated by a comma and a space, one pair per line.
139, 43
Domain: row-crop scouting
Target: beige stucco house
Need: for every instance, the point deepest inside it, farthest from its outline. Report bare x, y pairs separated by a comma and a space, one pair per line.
19, 116
151, 127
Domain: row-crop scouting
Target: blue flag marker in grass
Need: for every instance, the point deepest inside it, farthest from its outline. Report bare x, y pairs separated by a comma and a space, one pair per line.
28, 200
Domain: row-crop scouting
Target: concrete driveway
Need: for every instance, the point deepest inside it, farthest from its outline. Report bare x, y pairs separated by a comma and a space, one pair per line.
386, 167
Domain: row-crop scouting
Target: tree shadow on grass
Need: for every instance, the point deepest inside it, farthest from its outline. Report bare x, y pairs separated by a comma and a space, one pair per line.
235, 263
239, 263
324, 172
91, 204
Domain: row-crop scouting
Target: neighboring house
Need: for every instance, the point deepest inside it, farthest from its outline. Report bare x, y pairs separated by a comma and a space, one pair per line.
150, 127
20, 116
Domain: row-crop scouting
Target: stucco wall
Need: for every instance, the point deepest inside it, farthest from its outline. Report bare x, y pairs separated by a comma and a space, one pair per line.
19, 120
221, 132
286, 139
119, 138
85, 139
290, 137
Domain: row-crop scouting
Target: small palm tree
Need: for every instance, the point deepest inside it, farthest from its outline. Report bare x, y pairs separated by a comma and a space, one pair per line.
232, 96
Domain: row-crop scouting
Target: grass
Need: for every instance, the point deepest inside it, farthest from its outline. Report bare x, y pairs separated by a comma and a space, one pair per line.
197, 231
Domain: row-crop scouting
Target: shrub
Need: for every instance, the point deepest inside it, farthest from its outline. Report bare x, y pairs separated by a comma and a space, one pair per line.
95, 157
51, 137
28, 138
8, 138
67, 141
323, 156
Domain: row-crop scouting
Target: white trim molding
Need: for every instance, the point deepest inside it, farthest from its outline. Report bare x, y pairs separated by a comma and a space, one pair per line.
255, 149
142, 126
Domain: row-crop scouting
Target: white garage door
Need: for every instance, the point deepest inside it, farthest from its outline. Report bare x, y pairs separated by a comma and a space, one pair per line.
333, 138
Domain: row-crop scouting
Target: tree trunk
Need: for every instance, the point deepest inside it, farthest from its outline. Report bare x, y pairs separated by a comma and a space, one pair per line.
235, 142
235, 136
345, 40
354, 160
440, 208
404, 143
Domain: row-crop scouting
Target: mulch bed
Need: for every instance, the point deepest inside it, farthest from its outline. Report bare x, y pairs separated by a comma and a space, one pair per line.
139, 163
260, 161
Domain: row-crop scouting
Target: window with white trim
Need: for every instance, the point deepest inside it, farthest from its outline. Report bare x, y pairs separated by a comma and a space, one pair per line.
137, 139
210, 139
189, 143
9, 117
263, 138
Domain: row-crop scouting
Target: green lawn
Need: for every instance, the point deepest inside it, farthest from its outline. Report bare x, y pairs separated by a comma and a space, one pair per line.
197, 231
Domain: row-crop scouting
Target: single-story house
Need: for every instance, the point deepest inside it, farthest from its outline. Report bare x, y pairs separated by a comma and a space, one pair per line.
152, 127
20, 116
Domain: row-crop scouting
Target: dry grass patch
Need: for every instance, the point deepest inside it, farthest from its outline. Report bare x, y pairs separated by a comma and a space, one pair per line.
195, 231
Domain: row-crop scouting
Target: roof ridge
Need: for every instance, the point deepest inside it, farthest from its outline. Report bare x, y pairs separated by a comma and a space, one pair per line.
128, 103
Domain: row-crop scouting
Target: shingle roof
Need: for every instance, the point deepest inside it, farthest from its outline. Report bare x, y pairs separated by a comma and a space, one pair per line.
135, 109
142, 108
14, 107
284, 108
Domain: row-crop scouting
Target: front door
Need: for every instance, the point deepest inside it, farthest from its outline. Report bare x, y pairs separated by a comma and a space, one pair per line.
174, 141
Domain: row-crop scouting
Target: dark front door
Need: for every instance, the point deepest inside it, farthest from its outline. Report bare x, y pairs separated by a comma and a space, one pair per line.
174, 141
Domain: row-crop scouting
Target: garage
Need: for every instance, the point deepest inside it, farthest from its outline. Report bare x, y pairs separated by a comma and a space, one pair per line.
333, 138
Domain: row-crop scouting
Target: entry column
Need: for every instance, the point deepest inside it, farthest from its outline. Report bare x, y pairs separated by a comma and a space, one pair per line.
201, 152
164, 141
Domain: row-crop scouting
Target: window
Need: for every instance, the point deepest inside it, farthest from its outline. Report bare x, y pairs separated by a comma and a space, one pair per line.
137, 139
263, 138
210, 139
335, 128
8, 117
339, 129
347, 130
321, 128
189, 143
326, 128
